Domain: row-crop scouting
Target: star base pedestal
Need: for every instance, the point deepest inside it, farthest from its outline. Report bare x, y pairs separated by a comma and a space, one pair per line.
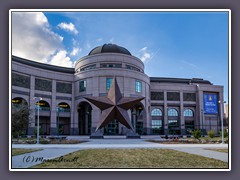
133, 135
96, 135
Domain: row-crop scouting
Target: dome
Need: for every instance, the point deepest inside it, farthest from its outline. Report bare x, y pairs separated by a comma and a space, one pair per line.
109, 48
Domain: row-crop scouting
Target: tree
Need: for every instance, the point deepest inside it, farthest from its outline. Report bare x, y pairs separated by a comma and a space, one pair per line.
20, 117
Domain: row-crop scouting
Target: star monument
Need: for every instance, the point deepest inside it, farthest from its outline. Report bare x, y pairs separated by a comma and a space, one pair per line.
114, 106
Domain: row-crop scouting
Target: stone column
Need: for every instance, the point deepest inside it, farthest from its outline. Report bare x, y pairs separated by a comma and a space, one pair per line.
165, 123
96, 114
182, 120
32, 117
53, 118
201, 112
74, 114
198, 108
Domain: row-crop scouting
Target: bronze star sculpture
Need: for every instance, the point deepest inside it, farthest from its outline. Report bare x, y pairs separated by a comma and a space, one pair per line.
114, 106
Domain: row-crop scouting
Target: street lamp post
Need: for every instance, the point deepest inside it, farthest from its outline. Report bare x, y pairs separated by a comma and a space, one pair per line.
220, 102
37, 100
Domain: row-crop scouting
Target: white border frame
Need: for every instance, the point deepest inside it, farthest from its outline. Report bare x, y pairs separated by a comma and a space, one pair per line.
121, 10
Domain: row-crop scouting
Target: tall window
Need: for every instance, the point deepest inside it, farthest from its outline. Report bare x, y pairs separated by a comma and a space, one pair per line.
108, 83
156, 112
188, 113
156, 123
82, 86
138, 86
156, 126
172, 112
172, 123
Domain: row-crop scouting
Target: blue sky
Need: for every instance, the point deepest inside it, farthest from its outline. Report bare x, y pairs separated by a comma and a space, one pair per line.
171, 44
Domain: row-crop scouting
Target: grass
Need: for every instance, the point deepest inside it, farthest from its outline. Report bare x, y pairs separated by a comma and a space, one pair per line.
191, 140
16, 151
133, 158
225, 150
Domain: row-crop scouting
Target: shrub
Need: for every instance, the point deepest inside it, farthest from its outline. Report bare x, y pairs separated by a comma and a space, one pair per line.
44, 141
211, 134
197, 134
31, 141
225, 134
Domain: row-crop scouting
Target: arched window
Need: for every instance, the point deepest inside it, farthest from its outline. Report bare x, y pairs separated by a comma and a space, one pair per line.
19, 102
156, 112
172, 112
188, 113
44, 105
63, 107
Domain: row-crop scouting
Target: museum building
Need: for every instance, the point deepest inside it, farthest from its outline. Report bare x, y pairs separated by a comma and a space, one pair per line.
170, 106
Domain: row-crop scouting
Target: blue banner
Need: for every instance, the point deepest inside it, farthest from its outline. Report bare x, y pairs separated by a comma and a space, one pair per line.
210, 102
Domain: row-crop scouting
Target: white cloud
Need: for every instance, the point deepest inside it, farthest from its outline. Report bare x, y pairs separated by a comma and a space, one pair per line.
74, 41
61, 59
144, 54
75, 51
68, 27
143, 49
32, 37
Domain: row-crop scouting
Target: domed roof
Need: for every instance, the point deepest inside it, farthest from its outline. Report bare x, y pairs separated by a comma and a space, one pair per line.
109, 48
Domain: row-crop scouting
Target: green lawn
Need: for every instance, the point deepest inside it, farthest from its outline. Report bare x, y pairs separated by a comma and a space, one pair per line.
133, 158
16, 151
191, 140
225, 150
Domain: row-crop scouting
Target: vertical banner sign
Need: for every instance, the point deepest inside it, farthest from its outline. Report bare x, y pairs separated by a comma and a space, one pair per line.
210, 102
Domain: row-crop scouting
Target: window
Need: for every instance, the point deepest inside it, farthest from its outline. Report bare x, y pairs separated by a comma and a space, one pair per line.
188, 113
138, 86
156, 126
112, 65
108, 83
189, 97
189, 126
64, 87
43, 85
20, 80
139, 127
93, 66
156, 123
173, 96
157, 96
172, 112
82, 86
172, 122
132, 68
156, 112
173, 126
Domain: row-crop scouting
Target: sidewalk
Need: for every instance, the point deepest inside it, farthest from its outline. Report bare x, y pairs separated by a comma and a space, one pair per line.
51, 151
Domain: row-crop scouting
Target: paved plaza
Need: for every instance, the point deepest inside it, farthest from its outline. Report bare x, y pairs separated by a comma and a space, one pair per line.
51, 151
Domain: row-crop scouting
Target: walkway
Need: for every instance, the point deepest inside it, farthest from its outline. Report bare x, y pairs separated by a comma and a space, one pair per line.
51, 151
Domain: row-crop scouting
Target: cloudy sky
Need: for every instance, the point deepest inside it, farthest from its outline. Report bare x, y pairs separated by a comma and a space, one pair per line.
171, 44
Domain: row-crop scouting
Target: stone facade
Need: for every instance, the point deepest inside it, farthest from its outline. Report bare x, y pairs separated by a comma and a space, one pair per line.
64, 109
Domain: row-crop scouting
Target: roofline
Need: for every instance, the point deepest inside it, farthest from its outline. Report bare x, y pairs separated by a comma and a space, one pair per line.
179, 80
102, 46
42, 65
